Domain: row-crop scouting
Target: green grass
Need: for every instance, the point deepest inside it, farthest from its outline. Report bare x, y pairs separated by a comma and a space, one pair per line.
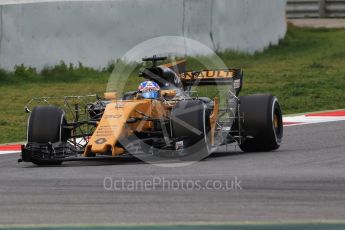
306, 71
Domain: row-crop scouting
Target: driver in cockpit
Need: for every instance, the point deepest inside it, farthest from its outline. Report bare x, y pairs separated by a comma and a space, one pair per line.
149, 90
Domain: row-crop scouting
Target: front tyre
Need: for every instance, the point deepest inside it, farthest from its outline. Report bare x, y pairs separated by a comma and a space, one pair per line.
45, 125
262, 123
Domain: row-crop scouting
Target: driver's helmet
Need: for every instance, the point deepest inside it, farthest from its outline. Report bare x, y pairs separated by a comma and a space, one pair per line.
149, 90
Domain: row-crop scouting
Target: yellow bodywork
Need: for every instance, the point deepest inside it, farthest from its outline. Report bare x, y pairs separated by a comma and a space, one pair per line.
113, 125
214, 118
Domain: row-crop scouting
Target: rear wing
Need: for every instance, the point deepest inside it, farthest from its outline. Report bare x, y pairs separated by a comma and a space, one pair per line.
207, 77
211, 77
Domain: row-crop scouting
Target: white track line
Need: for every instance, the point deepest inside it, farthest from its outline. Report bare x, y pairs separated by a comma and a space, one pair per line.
7, 152
302, 119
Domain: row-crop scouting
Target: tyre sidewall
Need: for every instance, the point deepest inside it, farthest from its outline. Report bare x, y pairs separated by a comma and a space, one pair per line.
259, 111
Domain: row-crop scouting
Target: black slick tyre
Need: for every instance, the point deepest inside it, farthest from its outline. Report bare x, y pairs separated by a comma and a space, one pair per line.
45, 126
262, 123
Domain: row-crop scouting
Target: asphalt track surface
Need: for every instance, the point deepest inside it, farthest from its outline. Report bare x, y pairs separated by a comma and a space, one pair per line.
303, 181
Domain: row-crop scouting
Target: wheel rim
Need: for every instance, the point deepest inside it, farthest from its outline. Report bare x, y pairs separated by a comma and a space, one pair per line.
277, 123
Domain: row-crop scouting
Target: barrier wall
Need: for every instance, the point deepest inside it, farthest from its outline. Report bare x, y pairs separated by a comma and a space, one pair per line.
94, 32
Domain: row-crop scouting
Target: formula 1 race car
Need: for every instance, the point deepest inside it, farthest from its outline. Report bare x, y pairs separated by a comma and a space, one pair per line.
162, 118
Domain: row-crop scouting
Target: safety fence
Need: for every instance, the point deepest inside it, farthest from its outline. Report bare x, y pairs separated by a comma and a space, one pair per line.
316, 8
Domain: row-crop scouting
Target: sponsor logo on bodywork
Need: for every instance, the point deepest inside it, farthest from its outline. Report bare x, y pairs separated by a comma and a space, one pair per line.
101, 141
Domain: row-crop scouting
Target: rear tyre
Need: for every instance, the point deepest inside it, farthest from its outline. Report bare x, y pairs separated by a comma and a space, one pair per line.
45, 126
263, 124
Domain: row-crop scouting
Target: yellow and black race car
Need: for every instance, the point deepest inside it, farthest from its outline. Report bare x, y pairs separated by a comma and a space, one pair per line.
161, 118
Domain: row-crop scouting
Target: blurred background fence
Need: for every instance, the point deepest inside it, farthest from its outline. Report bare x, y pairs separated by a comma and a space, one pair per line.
316, 9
